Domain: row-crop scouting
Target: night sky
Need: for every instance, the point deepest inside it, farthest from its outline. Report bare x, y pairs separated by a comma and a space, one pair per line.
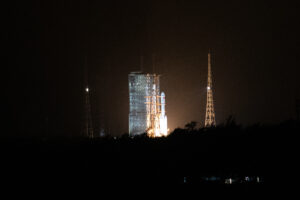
255, 61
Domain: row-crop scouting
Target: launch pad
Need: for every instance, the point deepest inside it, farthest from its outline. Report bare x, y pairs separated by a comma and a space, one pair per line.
146, 105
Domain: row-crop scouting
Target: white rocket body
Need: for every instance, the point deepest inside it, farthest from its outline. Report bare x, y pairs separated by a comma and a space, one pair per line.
163, 117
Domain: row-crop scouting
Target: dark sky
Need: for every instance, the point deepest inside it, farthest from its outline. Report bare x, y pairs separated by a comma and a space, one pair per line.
255, 60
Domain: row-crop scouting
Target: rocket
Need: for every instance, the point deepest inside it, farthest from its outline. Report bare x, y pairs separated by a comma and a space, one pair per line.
163, 117
163, 103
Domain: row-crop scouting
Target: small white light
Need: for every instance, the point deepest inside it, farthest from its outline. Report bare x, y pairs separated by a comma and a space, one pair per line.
87, 89
208, 88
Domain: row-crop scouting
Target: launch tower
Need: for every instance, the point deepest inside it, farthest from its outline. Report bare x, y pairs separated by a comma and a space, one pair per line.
146, 105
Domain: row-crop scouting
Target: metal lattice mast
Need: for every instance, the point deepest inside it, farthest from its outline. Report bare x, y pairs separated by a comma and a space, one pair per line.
210, 112
88, 125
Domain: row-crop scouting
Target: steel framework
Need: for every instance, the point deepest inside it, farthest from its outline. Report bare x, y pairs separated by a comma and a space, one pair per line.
210, 112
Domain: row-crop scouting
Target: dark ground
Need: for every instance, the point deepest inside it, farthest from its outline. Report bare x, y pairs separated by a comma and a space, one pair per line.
227, 151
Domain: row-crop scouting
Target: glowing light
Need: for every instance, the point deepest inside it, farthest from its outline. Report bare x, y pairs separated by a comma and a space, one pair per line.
87, 89
257, 179
163, 125
208, 88
160, 125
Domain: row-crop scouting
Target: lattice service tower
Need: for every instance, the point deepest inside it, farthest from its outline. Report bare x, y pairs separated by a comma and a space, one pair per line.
210, 112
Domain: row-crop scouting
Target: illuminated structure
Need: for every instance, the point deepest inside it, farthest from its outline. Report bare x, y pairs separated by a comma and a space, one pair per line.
210, 112
146, 105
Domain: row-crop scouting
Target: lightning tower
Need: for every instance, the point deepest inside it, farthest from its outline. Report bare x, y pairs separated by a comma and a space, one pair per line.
88, 125
210, 112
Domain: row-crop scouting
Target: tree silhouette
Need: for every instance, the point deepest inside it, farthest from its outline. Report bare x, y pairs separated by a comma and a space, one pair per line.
191, 126
230, 121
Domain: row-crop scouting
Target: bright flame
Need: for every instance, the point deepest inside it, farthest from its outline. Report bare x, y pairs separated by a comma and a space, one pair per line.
156, 118
163, 126
160, 127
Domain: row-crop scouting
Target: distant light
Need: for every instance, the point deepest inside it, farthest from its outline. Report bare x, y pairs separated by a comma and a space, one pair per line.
257, 179
87, 89
228, 181
208, 88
